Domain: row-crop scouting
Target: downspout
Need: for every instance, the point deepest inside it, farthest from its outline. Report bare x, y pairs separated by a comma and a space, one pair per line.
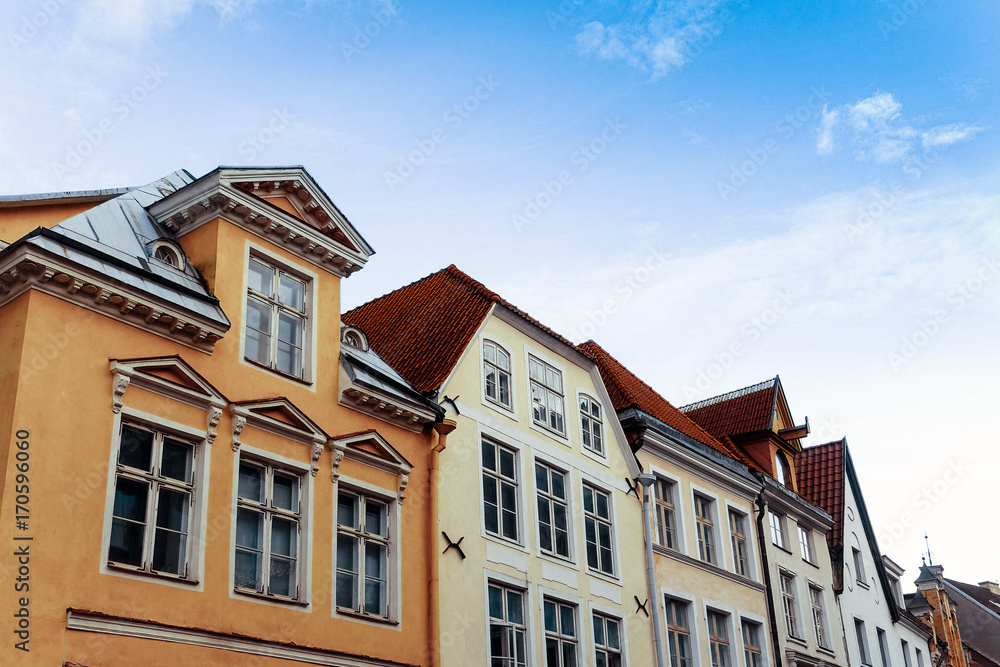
647, 480
766, 567
441, 429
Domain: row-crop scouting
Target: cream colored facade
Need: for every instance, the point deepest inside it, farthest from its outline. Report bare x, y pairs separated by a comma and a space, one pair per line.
516, 564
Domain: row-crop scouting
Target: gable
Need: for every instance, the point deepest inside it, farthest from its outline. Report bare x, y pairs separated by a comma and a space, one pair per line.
167, 376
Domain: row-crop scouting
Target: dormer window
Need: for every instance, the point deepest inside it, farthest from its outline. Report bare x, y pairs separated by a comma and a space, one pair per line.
167, 253
353, 337
781, 472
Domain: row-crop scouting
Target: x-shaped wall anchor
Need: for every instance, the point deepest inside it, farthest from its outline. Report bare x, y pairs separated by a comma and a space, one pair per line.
641, 606
632, 488
457, 545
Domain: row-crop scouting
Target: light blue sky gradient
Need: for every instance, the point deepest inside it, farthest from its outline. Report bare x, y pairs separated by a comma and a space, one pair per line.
810, 185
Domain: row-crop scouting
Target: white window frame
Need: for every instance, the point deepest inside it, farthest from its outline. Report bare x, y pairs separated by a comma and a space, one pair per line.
611, 521
552, 500
734, 536
547, 365
609, 651
861, 633
789, 603
905, 646
821, 629
660, 506
506, 408
760, 649
304, 567
777, 524
859, 566
805, 545
311, 300
518, 483
197, 517
670, 632
391, 543
720, 645
505, 583
705, 527
559, 634
591, 425
883, 647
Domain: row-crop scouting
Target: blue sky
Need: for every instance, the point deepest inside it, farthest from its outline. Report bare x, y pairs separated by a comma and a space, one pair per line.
717, 192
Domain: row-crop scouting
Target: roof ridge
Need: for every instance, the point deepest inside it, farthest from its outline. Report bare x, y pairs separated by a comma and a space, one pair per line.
736, 393
380, 297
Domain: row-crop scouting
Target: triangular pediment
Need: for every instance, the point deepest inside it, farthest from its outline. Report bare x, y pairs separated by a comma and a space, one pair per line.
371, 448
281, 417
169, 376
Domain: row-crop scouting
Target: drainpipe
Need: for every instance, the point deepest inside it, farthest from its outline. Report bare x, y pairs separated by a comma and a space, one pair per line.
766, 567
647, 480
441, 430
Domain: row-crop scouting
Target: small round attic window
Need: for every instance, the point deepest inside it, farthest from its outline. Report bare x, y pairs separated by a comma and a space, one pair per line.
168, 254
353, 337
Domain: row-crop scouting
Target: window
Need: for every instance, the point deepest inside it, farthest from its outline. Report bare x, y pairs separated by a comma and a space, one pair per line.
276, 318
777, 529
507, 628
553, 521
591, 425
781, 469
920, 658
859, 567
805, 545
560, 634
788, 602
665, 522
362, 554
164, 251
906, 652
607, 641
738, 535
496, 368
268, 516
718, 639
706, 535
883, 647
546, 395
678, 633
859, 631
819, 616
897, 593
751, 645
597, 524
154, 493
500, 490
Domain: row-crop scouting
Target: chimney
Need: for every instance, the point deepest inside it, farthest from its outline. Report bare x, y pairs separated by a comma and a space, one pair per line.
991, 586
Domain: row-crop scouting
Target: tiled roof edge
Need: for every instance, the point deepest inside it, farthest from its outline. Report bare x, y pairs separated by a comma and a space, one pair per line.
730, 395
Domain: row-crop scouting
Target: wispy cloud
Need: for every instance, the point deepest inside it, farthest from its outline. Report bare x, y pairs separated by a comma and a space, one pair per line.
658, 39
878, 131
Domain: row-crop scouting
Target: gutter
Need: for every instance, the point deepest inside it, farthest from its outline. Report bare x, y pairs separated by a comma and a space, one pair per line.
766, 567
647, 480
441, 429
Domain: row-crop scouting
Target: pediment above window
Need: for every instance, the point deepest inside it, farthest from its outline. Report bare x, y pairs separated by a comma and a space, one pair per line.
371, 449
280, 417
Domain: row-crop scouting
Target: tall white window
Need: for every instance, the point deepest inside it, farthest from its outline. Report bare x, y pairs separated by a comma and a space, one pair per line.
553, 513
883, 647
706, 529
666, 532
906, 653
805, 545
275, 331
781, 472
500, 479
859, 566
362, 554
607, 641
862, 636
154, 496
789, 604
777, 529
496, 369
738, 536
268, 518
718, 639
547, 404
591, 425
678, 633
819, 616
598, 529
920, 657
560, 634
751, 645
507, 628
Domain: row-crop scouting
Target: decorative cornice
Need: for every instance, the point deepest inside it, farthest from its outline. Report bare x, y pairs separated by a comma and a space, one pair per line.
121, 382
33, 268
309, 434
214, 416
382, 407
239, 423
390, 460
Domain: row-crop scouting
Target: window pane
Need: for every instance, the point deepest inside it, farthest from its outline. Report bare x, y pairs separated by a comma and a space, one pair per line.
251, 483
126, 542
507, 463
136, 449
282, 576
259, 277
599, 631
292, 292
553, 379
489, 456
613, 640
491, 509
542, 478
257, 346
375, 518
289, 359
249, 529
558, 485
569, 655
172, 510
290, 329
536, 371
503, 361
375, 602
284, 537
258, 315
496, 602
347, 510
515, 612
286, 492
248, 569
347, 590
130, 499
551, 618
347, 553
567, 621
602, 505
489, 352
169, 552
176, 460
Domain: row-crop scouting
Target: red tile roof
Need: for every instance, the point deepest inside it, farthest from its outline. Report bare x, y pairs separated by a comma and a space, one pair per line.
422, 329
628, 391
742, 411
822, 474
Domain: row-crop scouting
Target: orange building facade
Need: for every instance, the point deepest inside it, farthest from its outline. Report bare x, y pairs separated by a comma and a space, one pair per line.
201, 465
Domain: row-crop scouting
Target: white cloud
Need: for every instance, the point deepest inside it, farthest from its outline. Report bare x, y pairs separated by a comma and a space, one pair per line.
874, 112
943, 136
828, 121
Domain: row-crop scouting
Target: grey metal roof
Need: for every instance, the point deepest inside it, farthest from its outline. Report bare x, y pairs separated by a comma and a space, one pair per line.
116, 238
70, 195
367, 368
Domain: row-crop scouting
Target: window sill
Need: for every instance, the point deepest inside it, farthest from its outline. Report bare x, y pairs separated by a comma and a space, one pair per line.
361, 616
561, 438
565, 561
862, 584
152, 575
287, 376
610, 578
506, 410
798, 640
827, 651
815, 565
270, 598
504, 541
787, 551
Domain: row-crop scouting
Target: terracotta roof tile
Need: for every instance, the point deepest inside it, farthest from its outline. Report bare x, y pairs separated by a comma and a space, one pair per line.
628, 391
742, 411
421, 329
822, 475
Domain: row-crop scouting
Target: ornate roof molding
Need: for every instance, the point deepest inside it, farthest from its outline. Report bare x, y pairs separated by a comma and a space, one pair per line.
30, 267
320, 233
294, 424
385, 457
153, 374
